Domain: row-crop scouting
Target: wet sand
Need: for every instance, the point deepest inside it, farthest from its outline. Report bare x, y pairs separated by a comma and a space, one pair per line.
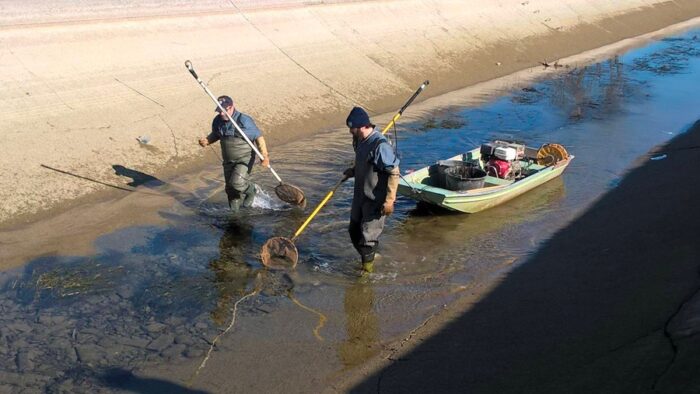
91, 82
608, 304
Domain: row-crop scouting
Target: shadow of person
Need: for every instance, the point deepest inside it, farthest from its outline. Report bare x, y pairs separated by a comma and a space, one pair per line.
86, 178
138, 178
125, 380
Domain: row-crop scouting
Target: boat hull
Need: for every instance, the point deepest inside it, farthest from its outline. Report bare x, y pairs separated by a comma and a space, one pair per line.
416, 186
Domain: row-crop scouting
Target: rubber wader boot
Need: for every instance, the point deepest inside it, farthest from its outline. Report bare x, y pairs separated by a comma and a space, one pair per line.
368, 262
234, 204
250, 193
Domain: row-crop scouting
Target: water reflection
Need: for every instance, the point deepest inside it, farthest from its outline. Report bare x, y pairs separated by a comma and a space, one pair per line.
673, 59
592, 92
232, 276
583, 93
471, 236
361, 325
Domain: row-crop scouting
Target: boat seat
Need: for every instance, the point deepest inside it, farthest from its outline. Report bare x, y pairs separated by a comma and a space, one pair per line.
532, 166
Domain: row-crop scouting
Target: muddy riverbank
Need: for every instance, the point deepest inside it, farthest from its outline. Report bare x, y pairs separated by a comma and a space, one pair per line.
91, 83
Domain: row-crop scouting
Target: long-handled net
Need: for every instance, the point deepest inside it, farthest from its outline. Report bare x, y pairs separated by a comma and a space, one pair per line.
280, 252
286, 192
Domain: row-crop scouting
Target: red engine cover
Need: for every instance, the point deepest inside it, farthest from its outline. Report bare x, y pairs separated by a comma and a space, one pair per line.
502, 167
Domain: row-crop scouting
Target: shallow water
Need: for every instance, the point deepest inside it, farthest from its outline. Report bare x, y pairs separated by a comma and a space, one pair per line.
151, 299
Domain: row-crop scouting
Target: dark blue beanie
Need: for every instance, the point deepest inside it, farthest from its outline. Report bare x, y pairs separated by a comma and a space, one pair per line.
358, 118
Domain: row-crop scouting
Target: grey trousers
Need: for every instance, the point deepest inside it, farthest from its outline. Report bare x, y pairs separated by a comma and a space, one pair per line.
366, 225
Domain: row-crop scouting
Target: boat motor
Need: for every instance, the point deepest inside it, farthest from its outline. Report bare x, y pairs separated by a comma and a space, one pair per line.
500, 167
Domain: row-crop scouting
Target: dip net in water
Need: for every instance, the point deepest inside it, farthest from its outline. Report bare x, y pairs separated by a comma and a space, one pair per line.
290, 194
279, 253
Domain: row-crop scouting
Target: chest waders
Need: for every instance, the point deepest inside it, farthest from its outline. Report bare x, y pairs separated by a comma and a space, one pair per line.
366, 219
238, 160
233, 147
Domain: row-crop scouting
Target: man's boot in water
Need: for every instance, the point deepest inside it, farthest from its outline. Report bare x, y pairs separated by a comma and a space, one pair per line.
368, 262
250, 193
234, 204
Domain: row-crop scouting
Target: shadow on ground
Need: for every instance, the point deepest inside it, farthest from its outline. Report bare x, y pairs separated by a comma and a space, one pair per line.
148, 181
605, 306
125, 380
138, 178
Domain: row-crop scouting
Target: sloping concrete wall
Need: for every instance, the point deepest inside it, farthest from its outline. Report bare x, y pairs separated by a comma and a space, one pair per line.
77, 91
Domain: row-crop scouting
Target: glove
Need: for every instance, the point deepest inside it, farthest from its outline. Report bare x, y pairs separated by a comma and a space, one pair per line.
388, 208
392, 186
349, 173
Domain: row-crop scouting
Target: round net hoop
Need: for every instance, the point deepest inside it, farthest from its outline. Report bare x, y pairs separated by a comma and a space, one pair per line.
279, 253
290, 194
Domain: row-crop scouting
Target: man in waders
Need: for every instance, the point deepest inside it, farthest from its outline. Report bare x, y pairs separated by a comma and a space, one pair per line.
238, 157
376, 173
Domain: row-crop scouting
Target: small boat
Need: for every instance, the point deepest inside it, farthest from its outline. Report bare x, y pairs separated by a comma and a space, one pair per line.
486, 176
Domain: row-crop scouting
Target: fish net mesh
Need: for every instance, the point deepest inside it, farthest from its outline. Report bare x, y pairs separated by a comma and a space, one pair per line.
290, 194
279, 253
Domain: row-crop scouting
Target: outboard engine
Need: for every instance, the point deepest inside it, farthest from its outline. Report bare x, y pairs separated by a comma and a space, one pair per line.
502, 157
501, 167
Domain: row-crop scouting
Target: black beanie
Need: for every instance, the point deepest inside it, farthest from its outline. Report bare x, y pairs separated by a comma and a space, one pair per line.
358, 118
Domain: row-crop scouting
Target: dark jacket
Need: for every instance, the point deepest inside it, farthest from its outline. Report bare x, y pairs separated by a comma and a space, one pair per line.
374, 160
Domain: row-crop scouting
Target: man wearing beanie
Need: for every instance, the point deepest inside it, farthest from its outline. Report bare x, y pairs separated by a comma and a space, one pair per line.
376, 173
238, 157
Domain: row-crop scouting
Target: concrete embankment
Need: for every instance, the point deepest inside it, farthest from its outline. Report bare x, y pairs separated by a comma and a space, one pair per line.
80, 86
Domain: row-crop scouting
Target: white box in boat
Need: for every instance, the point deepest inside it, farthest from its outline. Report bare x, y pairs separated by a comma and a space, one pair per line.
505, 153
519, 148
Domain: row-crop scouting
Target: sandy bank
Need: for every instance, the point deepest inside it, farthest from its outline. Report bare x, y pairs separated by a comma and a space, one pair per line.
79, 87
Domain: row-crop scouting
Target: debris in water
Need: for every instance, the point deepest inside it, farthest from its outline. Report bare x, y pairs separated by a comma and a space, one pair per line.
555, 65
